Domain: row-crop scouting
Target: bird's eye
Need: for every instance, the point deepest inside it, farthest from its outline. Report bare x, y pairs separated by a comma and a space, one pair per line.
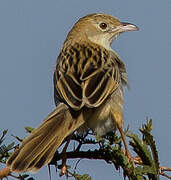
103, 26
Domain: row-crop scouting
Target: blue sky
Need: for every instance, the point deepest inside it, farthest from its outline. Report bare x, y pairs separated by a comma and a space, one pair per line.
31, 35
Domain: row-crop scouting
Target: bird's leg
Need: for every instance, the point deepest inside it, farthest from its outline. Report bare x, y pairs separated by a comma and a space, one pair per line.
127, 153
119, 120
64, 157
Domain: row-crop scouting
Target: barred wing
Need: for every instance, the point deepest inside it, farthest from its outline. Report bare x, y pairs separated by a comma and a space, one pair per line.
99, 87
67, 90
85, 75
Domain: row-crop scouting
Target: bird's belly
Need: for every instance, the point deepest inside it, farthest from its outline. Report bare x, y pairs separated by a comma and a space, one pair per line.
100, 120
104, 127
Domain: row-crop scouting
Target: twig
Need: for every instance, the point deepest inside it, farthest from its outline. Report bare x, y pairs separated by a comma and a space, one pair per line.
162, 169
81, 155
165, 175
77, 164
3, 135
16, 137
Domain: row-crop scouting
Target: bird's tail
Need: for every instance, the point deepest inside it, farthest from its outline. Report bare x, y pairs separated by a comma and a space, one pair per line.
39, 147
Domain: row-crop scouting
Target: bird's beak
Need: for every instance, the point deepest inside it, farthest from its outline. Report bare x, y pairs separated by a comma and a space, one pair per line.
127, 27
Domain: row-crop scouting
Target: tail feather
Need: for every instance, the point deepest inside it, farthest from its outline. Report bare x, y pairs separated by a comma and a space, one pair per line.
39, 147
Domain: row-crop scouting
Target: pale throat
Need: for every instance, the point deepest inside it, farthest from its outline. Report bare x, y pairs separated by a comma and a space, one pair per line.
104, 41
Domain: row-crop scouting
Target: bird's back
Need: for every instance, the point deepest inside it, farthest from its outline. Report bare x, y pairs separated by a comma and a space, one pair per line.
86, 74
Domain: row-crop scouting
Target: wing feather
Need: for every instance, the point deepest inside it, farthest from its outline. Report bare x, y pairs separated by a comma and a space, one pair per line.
98, 88
86, 75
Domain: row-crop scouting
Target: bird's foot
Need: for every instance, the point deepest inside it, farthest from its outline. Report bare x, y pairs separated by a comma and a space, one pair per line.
134, 160
64, 171
130, 159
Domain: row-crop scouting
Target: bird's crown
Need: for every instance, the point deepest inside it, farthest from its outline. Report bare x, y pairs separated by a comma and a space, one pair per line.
99, 28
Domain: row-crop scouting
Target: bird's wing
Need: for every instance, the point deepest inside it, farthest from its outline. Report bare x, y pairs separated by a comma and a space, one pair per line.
85, 75
68, 89
100, 86
67, 83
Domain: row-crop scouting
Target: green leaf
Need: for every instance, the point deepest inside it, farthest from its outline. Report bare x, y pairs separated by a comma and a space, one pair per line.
145, 170
24, 176
3, 134
28, 129
2, 151
10, 146
149, 140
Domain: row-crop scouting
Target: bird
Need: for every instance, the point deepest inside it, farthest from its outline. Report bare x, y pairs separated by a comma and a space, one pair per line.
89, 78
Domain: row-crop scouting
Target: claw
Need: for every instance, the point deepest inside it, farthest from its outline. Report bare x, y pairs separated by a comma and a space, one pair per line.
64, 158
64, 171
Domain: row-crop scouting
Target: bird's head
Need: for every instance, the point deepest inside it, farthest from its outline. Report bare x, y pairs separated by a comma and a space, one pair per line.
101, 29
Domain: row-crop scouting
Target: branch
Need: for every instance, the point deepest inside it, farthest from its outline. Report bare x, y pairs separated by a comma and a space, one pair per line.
82, 155
162, 169
145, 164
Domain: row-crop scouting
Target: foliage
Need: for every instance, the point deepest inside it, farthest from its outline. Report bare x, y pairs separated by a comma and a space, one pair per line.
145, 165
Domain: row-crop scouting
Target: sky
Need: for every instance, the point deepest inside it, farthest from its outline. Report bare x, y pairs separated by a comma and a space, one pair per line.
31, 35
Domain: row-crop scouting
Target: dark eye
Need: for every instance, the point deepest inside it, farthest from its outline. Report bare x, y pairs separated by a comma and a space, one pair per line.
103, 26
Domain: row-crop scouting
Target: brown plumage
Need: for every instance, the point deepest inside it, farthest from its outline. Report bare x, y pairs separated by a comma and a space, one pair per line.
39, 148
88, 82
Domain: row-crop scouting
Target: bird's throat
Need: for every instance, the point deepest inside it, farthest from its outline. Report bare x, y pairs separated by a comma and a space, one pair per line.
102, 40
